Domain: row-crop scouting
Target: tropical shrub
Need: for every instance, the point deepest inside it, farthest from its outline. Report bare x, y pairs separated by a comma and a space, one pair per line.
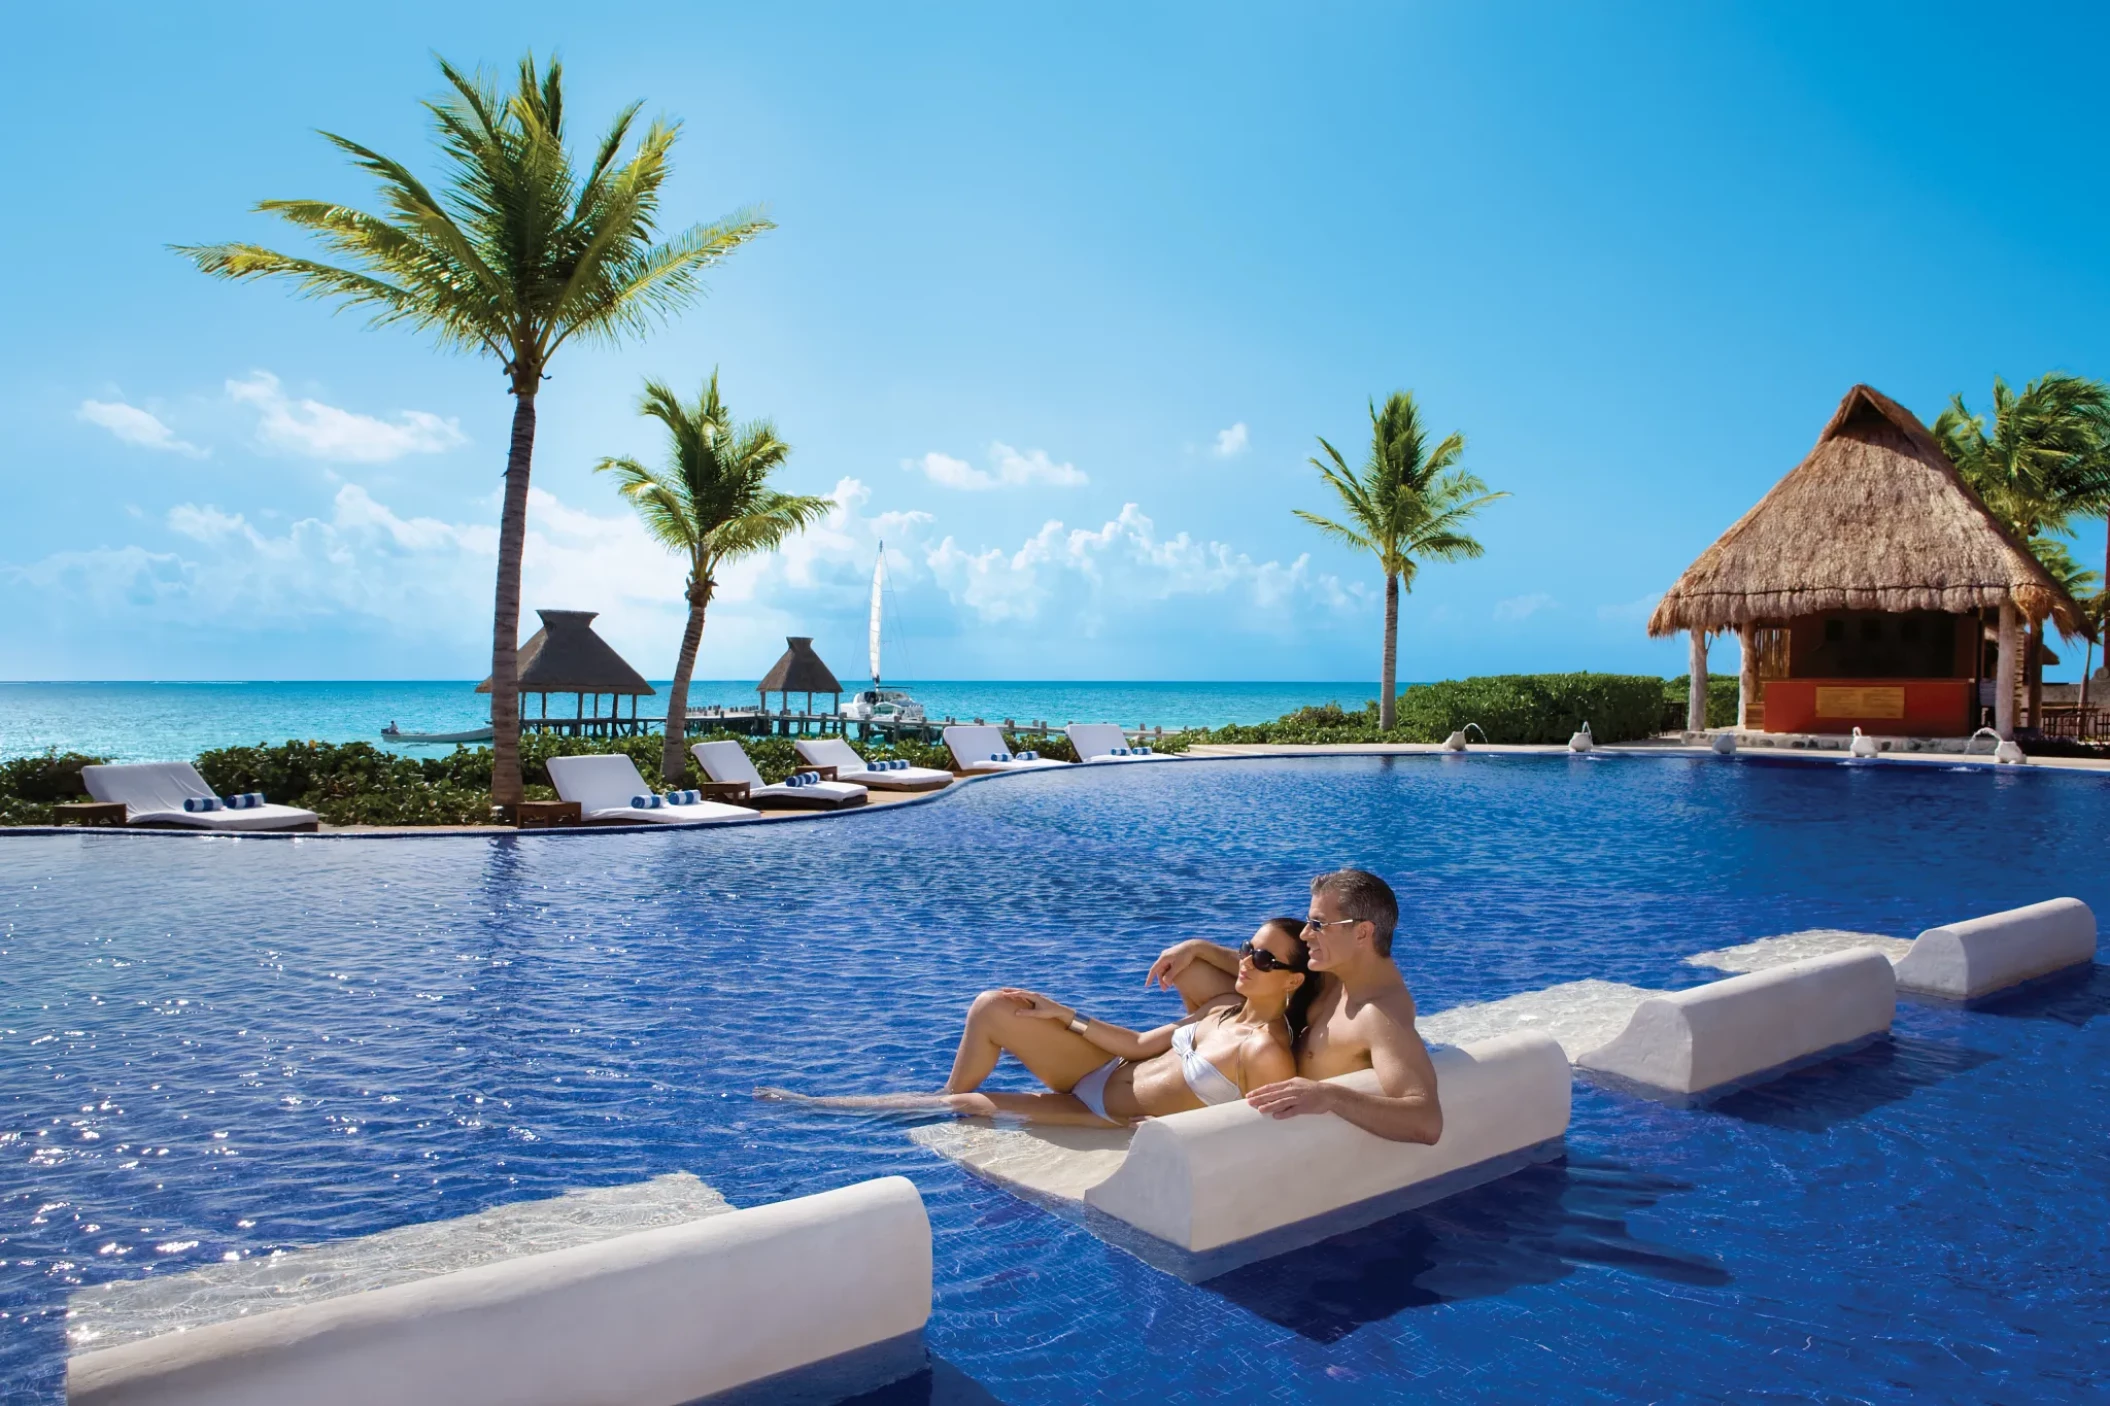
1721, 701
1509, 708
30, 786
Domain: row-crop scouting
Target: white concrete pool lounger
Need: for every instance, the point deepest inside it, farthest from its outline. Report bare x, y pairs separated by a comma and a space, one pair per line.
1202, 1192
832, 1289
153, 794
1742, 1030
1967, 960
982, 748
833, 751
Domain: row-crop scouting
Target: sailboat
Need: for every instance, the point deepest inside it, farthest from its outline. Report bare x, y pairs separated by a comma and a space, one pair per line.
879, 704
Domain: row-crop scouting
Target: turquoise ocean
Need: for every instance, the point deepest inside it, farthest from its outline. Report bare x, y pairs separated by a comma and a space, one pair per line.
164, 721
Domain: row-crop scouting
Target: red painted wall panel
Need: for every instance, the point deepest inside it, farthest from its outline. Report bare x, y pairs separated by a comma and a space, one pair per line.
1930, 707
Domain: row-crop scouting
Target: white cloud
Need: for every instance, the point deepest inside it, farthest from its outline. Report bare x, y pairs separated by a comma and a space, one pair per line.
1629, 610
1098, 574
1232, 441
317, 431
135, 426
361, 565
1008, 469
1523, 607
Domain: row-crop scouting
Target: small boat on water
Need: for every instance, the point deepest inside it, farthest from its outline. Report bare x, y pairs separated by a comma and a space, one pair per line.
878, 704
392, 733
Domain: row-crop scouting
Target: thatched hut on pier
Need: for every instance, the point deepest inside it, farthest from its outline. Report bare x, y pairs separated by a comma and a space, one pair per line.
567, 656
1864, 587
800, 670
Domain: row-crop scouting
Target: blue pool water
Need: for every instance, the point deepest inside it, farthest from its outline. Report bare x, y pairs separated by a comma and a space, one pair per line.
211, 1048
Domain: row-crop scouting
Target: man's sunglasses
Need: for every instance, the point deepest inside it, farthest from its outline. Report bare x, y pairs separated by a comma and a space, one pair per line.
1264, 960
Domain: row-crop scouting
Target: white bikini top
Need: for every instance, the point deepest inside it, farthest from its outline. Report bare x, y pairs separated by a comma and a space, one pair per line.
1208, 1082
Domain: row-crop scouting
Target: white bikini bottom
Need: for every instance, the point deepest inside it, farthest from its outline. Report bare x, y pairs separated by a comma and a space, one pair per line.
1091, 1089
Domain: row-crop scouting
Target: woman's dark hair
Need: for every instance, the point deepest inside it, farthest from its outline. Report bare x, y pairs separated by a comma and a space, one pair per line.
1298, 1012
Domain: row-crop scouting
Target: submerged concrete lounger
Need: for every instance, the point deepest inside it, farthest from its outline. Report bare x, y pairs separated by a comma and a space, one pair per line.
1096, 742
604, 786
836, 1286
153, 794
1222, 1186
974, 746
833, 751
1962, 961
1711, 1039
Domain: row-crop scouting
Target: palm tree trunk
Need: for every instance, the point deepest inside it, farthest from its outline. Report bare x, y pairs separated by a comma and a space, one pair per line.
2086, 660
672, 757
1386, 700
506, 790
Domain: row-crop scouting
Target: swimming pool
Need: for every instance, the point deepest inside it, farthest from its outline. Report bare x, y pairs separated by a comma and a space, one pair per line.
212, 1048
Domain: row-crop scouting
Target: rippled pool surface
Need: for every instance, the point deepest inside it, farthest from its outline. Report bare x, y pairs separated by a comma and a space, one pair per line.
210, 1048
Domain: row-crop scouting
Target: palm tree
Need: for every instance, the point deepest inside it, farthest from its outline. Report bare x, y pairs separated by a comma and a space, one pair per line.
713, 503
2079, 583
2045, 462
2047, 458
515, 252
1408, 505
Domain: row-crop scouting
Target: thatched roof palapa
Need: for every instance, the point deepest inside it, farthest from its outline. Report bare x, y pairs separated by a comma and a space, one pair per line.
799, 671
566, 656
1876, 518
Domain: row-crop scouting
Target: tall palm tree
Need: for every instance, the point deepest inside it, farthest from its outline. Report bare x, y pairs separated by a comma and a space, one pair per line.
2079, 582
517, 250
713, 503
1408, 505
2044, 463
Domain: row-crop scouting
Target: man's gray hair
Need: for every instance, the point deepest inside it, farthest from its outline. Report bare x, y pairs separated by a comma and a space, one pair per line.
1363, 896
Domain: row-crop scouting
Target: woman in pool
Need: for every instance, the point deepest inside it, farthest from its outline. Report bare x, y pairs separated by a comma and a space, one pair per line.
1101, 1075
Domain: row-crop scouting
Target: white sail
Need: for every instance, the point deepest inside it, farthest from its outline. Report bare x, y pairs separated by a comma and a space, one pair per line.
878, 582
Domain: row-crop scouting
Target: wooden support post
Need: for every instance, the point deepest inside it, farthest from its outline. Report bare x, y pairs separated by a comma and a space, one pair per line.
1696, 696
1746, 675
2005, 675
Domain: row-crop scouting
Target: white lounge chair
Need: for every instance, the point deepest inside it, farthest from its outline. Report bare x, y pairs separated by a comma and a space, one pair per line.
728, 764
981, 748
154, 792
833, 752
604, 786
1106, 742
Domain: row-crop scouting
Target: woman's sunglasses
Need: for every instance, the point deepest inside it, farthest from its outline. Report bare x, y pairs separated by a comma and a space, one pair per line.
1264, 960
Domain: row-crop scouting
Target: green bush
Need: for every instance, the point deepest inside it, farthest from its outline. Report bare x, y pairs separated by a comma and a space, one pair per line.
1509, 708
1721, 701
47, 778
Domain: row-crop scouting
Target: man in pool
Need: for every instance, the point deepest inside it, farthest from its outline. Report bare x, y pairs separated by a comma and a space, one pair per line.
1363, 1017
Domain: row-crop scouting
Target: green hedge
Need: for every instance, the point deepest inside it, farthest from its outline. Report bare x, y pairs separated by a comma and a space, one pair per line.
1509, 708
1721, 701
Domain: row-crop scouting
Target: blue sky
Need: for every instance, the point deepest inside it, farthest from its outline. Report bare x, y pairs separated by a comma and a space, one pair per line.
1057, 303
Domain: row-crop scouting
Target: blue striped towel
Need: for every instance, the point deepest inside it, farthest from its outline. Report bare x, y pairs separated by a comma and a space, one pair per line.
1139, 751
1027, 757
999, 756
196, 804
648, 802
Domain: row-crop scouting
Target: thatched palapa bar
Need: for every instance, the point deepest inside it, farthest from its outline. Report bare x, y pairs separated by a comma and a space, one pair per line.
1863, 588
